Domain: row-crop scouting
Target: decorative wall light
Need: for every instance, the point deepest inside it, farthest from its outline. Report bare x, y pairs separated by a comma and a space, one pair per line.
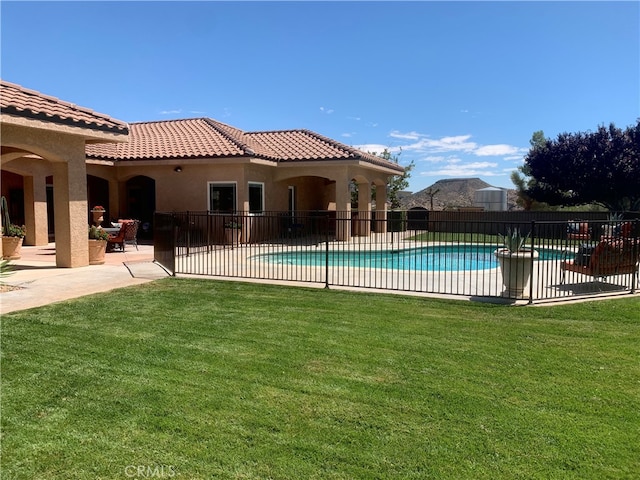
177, 169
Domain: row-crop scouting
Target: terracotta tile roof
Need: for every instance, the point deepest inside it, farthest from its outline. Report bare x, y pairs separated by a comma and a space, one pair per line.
18, 101
297, 145
207, 138
191, 138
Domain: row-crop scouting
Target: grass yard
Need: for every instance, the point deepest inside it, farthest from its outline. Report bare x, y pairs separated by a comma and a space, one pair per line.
203, 379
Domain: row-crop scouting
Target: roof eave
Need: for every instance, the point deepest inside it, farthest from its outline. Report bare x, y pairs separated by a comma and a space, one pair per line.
42, 122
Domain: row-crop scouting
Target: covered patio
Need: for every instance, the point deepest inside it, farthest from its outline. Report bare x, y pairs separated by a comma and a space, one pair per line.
43, 142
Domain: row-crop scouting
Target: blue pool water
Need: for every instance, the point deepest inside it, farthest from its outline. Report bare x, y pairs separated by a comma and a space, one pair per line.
432, 258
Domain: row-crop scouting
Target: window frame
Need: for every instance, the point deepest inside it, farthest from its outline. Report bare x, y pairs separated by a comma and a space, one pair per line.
231, 184
262, 196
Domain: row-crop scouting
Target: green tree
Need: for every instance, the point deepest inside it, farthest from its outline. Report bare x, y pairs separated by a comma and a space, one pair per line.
601, 167
397, 183
522, 179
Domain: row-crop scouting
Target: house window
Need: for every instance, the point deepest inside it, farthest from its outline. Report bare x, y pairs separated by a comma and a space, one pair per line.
256, 197
222, 197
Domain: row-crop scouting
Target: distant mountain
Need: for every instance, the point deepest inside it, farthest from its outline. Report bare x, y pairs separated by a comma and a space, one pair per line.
451, 193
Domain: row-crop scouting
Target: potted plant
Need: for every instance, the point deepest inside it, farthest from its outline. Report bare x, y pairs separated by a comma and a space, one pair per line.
515, 262
97, 245
613, 225
97, 214
232, 233
12, 235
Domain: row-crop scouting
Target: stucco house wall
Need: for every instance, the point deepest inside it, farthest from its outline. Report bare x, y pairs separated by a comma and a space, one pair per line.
135, 169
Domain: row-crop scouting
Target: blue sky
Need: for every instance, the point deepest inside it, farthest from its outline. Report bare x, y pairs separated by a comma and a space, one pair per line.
456, 87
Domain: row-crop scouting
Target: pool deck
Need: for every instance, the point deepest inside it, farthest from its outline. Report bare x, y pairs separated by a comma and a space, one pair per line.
36, 281
242, 263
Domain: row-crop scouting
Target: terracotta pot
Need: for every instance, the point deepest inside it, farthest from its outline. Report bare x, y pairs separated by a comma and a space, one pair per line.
516, 270
97, 251
98, 217
11, 247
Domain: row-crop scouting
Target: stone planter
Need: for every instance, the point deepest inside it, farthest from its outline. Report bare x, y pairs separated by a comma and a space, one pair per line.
97, 217
516, 270
11, 247
97, 251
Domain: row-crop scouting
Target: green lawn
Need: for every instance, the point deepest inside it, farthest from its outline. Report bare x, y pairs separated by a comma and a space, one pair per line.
209, 379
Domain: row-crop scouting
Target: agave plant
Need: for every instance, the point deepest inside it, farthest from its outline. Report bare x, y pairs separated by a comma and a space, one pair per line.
6, 268
616, 217
514, 241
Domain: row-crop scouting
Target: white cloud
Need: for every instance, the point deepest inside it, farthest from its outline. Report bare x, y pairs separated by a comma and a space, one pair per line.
457, 168
406, 136
435, 159
495, 150
357, 119
170, 112
328, 111
370, 147
462, 144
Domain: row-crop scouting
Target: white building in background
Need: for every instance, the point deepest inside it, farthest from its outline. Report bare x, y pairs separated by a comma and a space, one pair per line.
491, 199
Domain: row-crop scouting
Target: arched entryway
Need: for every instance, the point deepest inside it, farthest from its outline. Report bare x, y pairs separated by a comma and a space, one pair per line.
141, 203
98, 194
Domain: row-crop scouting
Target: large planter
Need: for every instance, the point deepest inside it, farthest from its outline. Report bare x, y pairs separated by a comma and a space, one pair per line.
516, 270
11, 247
97, 251
97, 217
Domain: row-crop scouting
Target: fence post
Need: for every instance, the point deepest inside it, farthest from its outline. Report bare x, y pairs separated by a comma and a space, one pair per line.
188, 225
326, 252
174, 244
636, 253
208, 232
533, 242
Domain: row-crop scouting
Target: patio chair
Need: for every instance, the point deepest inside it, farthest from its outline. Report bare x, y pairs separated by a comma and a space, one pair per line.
577, 230
607, 258
131, 232
117, 239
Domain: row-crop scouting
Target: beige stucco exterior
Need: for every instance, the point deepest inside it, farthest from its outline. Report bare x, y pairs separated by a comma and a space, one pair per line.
183, 185
47, 173
47, 155
37, 149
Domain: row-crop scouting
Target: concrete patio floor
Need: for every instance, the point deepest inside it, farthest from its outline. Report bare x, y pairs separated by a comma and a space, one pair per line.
39, 282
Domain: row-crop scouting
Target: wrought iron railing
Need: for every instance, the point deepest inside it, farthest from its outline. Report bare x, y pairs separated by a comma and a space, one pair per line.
400, 252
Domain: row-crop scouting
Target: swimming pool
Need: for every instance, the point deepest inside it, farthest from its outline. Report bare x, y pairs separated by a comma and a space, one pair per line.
436, 258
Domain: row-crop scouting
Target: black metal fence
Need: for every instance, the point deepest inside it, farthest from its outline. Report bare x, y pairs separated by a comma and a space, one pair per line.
450, 255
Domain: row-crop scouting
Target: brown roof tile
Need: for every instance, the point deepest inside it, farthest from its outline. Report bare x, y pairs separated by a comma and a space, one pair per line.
18, 101
207, 138
190, 138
